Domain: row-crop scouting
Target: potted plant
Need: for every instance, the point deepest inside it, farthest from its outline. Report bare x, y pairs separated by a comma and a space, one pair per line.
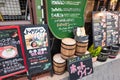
94, 52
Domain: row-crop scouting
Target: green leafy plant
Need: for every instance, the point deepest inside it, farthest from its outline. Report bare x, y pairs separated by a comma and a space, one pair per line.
94, 51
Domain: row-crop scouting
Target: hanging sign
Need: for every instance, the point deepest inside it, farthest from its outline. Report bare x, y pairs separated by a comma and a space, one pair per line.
64, 15
36, 48
11, 60
79, 67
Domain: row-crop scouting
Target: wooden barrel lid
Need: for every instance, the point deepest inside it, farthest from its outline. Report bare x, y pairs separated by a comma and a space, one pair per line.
68, 41
57, 58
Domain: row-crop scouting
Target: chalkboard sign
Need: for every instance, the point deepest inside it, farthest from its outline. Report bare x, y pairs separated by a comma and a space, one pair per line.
11, 60
36, 47
112, 28
105, 28
79, 67
64, 15
99, 28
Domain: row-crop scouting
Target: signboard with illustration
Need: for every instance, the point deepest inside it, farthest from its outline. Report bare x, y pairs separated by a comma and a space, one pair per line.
79, 67
37, 48
11, 59
64, 15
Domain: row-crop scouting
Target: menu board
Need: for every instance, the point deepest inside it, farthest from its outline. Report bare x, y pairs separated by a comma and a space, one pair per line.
37, 48
99, 28
105, 28
79, 67
112, 28
11, 60
64, 15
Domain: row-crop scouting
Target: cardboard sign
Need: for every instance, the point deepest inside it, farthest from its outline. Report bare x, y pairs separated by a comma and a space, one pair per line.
79, 67
64, 15
37, 48
105, 28
11, 60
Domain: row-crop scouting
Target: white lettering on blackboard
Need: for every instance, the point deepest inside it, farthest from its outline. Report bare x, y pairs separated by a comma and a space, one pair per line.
37, 52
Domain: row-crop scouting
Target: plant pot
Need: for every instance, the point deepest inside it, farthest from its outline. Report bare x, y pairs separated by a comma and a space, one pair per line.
114, 51
94, 59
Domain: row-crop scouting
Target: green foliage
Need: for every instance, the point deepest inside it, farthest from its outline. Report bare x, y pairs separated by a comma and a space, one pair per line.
94, 51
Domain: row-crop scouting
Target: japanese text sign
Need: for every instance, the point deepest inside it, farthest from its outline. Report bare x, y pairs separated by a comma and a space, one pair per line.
64, 15
79, 67
37, 49
11, 54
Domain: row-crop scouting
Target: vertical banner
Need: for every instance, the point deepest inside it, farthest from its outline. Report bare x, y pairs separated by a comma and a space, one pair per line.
11, 59
78, 67
38, 11
64, 15
36, 48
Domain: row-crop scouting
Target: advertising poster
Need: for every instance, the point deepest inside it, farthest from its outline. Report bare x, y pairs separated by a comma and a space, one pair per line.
37, 48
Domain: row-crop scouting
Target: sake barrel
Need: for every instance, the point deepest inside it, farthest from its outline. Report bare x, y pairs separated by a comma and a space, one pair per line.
65, 57
81, 47
68, 46
59, 64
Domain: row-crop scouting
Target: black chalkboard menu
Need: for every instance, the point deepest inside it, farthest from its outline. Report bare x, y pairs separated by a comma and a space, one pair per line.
79, 67
11, 60
36, 48
105, 28
99, 28
112, 28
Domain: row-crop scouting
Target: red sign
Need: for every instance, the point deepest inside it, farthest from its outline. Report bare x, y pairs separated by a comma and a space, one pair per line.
11, 52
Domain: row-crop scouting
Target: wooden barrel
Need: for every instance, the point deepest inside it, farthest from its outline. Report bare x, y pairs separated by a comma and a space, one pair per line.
66, 57
68, 46
59, 64
81, 48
